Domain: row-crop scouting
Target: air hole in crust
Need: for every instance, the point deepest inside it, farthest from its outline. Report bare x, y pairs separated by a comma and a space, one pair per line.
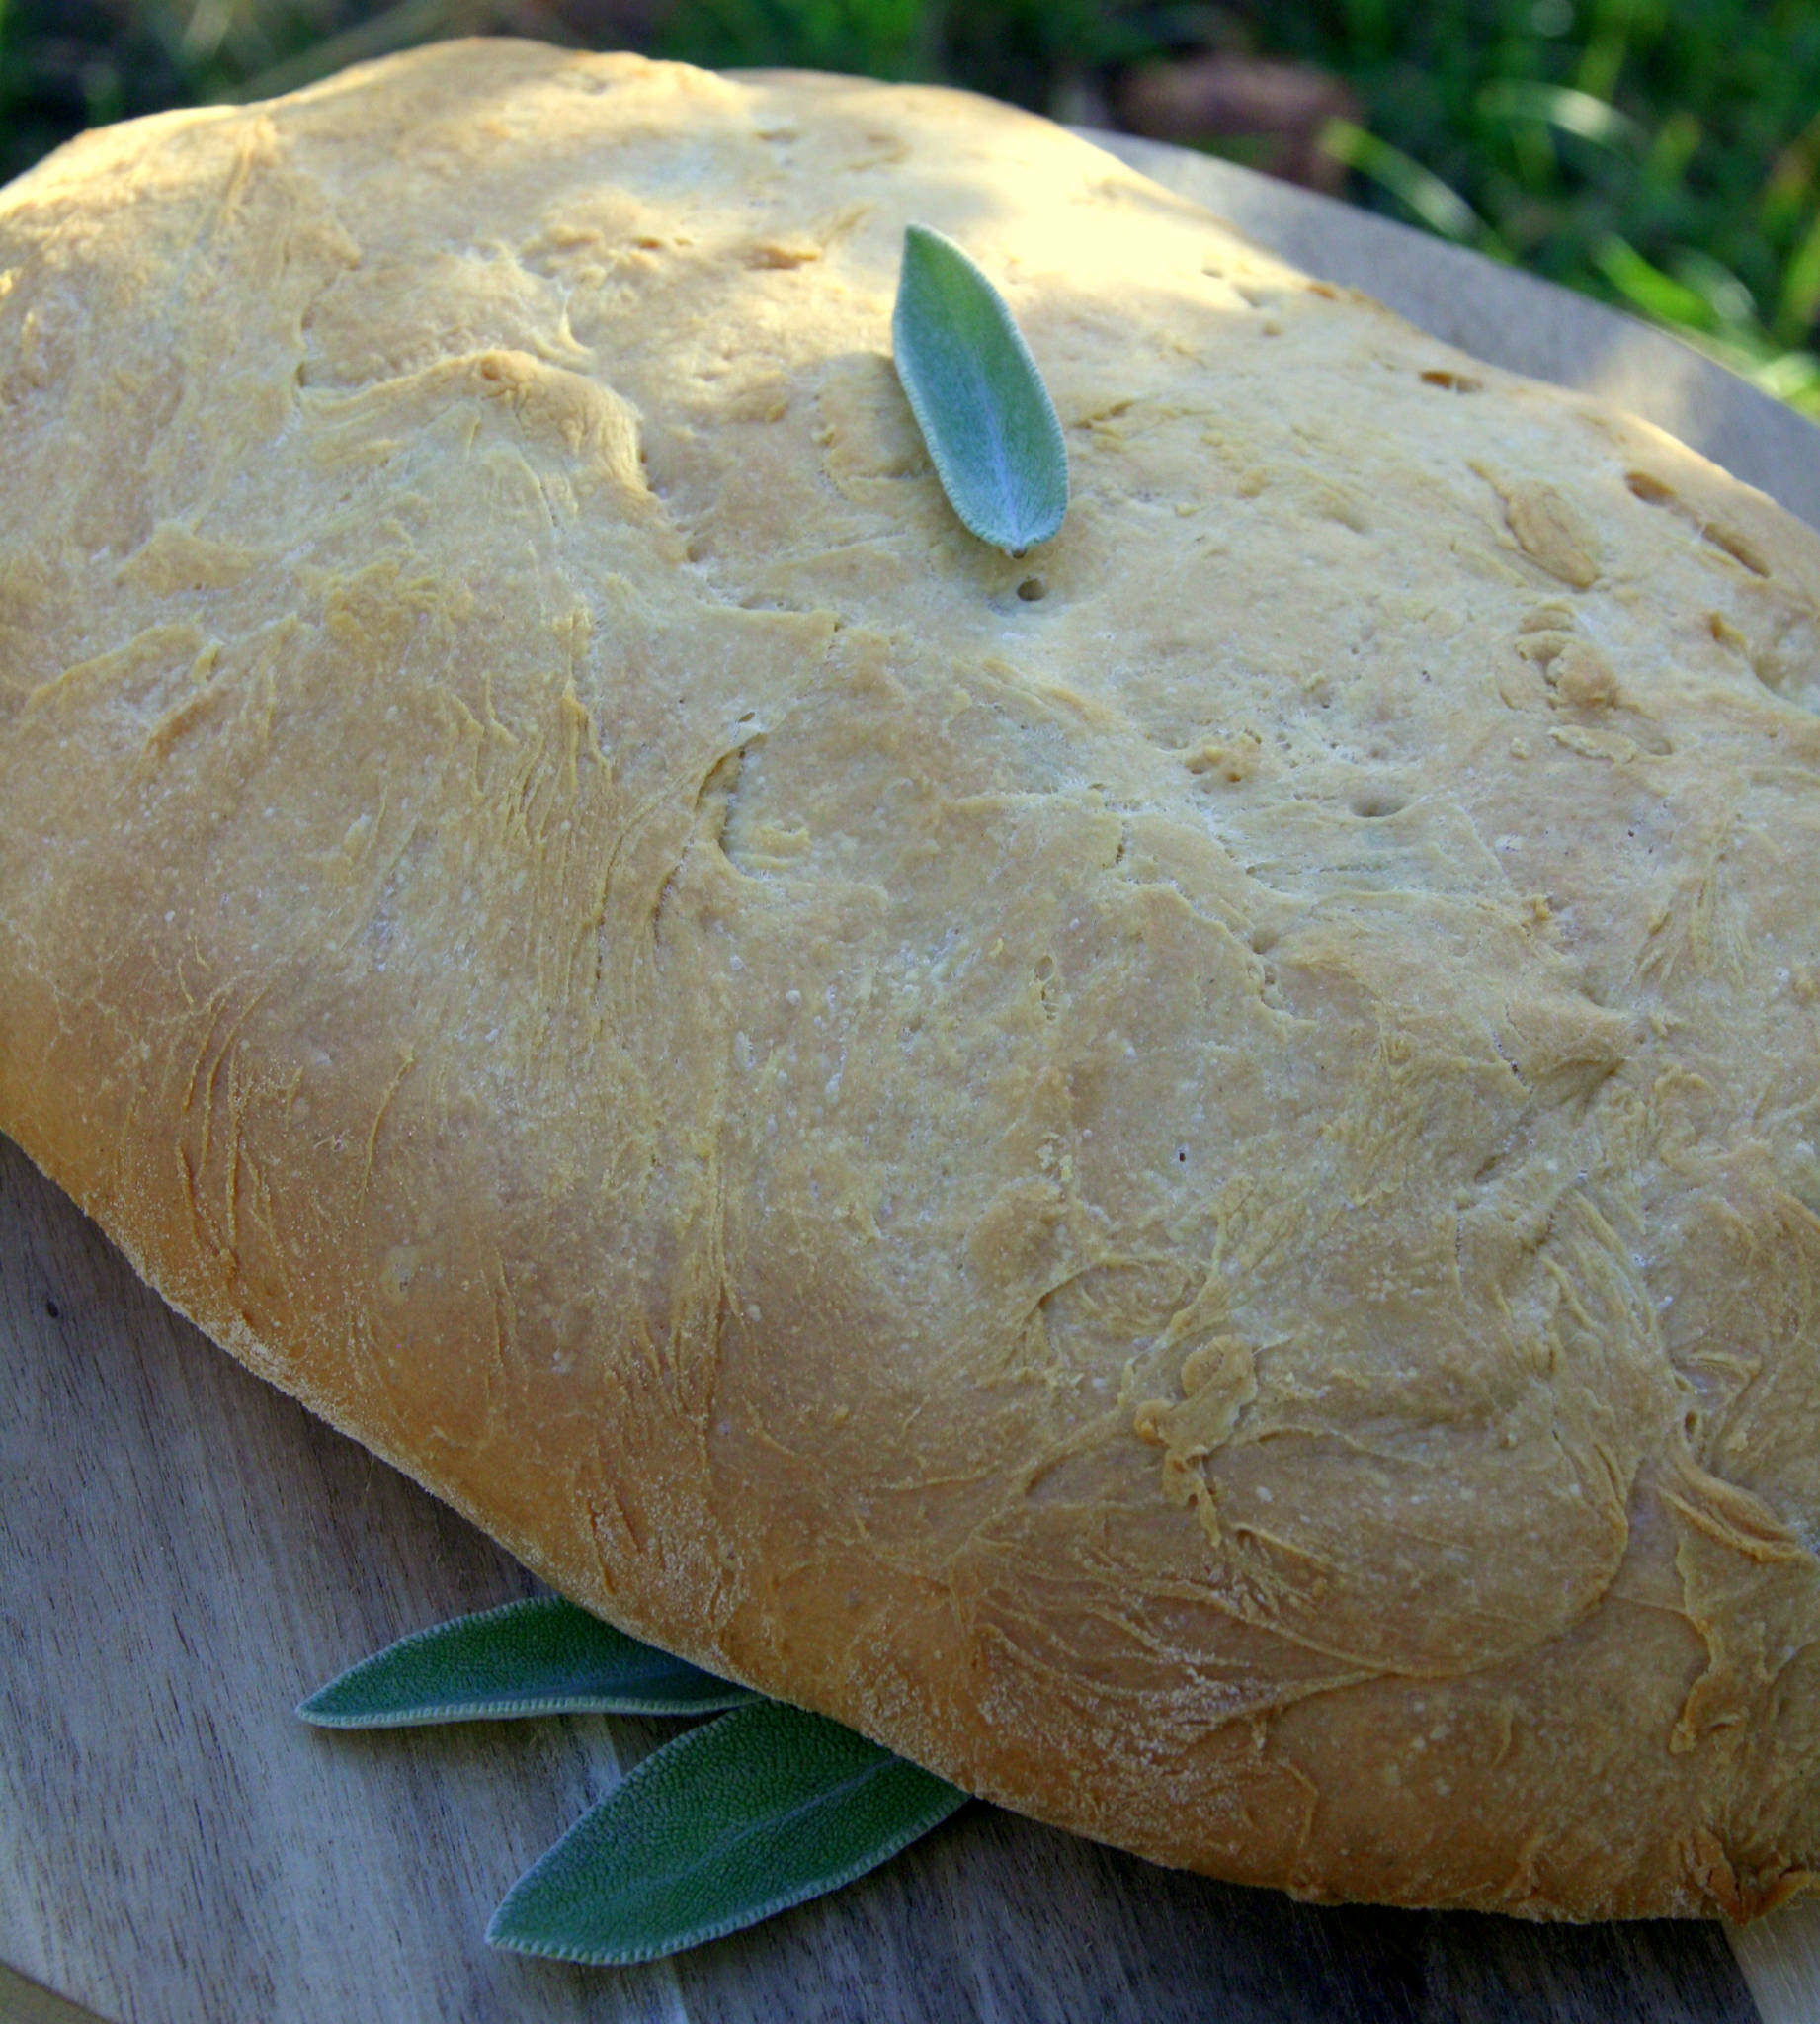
1740, 547
1033, 589
1373, 806
1729, 541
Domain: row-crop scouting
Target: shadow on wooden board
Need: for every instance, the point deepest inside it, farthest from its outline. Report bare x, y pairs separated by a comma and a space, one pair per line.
184, 1552
1069, 1931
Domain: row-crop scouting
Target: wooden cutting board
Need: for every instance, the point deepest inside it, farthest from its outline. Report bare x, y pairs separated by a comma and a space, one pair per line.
183, 1552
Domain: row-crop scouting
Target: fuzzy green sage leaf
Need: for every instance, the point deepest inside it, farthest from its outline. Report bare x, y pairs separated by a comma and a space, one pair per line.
541, 1657
991, 428
737, 1820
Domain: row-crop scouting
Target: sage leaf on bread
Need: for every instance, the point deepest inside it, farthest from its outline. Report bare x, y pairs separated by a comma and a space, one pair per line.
991, 428
739, 1819
540, 1656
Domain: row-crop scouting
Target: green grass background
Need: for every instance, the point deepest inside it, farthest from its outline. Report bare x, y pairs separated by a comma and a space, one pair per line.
1660, 154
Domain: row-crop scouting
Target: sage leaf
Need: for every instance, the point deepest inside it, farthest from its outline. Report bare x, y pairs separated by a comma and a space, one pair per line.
737, 1820
991, 428
541, 1657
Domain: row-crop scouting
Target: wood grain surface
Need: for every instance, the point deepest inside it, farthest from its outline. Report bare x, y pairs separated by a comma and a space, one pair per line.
184, 1553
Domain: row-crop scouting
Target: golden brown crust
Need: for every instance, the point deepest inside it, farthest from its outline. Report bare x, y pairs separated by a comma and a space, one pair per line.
1192, 1199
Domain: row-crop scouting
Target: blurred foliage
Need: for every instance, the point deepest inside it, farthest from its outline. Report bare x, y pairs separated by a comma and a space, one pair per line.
1663, 154
1660, 154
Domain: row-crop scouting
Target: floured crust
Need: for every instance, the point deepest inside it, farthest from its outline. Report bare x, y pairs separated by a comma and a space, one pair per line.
1191, 1198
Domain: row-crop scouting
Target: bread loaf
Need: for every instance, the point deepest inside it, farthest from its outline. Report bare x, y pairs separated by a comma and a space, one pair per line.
1177, 1176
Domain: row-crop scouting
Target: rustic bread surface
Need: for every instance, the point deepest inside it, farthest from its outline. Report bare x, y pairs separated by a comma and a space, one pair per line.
1179, 1177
